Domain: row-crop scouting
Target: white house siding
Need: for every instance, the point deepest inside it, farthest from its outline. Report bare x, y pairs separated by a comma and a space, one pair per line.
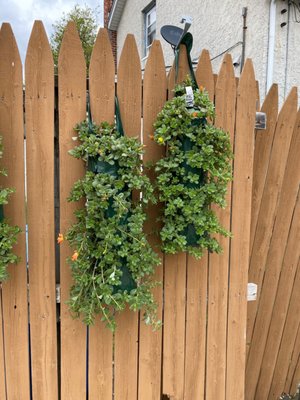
217, 25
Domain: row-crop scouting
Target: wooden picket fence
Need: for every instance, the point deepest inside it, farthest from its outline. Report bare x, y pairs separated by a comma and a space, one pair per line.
273, 334
200, 352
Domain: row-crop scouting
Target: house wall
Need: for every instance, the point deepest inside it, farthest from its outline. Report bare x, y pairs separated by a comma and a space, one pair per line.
217, 25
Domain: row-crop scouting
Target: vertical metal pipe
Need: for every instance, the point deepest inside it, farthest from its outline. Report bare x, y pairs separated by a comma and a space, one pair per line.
271, 44
244, 14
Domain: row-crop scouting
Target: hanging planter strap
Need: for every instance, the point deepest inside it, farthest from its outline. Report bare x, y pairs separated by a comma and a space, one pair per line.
187, 41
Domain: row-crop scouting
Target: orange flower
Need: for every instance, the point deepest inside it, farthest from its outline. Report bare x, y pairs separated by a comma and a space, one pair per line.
75, 255
201, 88
195, 114
151, 137
60, 238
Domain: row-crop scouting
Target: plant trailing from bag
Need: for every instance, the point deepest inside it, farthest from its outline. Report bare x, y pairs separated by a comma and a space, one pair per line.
113, 263
8, 233
194, 174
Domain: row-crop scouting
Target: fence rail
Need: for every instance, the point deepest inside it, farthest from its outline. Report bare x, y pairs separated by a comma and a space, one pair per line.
200, 352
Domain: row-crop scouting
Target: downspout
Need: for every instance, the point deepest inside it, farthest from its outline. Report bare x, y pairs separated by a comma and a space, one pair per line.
271, 44
287, 51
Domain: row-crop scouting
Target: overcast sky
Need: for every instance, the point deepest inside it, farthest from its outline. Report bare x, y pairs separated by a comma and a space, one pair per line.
21, 14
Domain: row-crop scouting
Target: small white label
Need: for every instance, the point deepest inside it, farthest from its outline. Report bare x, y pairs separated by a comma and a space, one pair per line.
252, 292
189, 97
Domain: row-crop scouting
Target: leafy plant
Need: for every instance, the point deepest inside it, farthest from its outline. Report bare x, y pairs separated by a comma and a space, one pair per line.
112, 262
8, 233
85, 19
194, 174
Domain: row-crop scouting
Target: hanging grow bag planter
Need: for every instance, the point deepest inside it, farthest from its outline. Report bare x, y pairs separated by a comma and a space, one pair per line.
196, 170
113, 262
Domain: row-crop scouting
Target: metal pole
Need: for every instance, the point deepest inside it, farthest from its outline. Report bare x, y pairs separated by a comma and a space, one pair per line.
244, 15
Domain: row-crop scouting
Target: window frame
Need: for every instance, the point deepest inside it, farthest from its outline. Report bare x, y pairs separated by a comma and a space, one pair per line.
146, 13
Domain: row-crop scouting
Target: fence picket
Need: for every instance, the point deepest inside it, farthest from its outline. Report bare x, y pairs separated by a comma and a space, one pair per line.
263, 146
39, 104
296, 376
102, 79
241, 214
268, 207
175, 293
2, 360
154, 97
225, 101
102, 95
14, 291
72, 110
279, 276
196, 319
293, 375
288, 341
196, 297
204, 74
126, 337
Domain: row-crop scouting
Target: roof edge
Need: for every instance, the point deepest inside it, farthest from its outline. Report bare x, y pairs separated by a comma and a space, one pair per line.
116, 14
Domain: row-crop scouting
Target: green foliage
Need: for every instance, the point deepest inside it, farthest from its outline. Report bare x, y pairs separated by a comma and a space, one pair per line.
8, 233
108, 236
194, 174
85, 20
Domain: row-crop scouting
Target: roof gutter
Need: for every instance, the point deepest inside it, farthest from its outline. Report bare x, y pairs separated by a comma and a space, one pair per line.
116, 14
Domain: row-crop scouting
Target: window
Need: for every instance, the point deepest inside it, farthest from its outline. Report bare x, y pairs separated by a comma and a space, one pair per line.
150, 27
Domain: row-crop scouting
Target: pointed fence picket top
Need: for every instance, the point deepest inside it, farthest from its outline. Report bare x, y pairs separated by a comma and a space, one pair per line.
175, 290
204, 74
129, 93
102, 79
154, 97
129, 87
290, 340
263, 144
241, 215
273, 269
14, 291
269, 201
39, 104
102, 100
225, 103
72, 110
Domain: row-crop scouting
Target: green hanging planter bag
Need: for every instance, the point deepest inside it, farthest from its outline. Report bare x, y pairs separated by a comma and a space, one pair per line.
196, 170
113, 263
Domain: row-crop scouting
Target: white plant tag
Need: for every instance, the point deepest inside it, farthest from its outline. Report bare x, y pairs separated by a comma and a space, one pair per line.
252, 292
189, 97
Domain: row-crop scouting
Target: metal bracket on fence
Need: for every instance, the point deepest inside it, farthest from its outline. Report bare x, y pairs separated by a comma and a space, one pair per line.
58, 293
260, 120
252, 292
